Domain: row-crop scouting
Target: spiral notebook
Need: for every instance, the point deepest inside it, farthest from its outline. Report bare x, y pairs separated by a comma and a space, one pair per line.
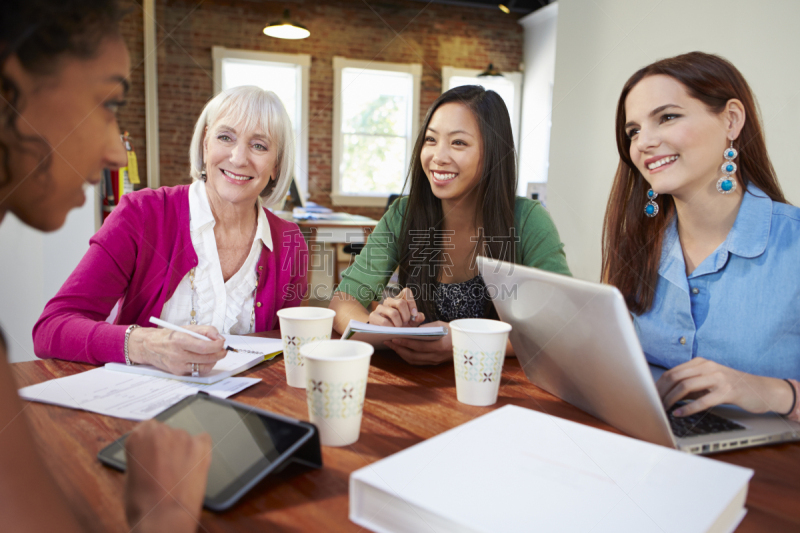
377, 335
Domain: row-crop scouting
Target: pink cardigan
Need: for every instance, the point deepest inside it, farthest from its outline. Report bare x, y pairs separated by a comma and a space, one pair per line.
141, 253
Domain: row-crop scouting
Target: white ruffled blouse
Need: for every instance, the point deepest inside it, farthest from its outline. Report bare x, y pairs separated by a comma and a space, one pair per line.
228, 306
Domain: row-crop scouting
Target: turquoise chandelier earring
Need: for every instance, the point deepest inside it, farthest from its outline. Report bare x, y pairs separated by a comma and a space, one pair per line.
651, 209
727, 183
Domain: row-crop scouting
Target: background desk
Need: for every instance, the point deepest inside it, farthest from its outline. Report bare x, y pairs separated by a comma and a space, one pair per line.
404, 405
352, 229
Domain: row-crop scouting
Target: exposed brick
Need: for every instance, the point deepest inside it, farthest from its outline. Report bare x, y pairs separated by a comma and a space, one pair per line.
396, 31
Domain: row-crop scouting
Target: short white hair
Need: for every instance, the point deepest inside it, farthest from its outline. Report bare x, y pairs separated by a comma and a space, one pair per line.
250, 108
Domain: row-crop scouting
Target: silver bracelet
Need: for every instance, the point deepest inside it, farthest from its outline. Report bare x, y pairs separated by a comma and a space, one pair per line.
127, 337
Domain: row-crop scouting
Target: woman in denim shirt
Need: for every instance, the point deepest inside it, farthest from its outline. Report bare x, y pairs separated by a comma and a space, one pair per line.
699, 239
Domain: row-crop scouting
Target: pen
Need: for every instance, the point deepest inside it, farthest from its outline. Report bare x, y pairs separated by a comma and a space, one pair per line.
173, 327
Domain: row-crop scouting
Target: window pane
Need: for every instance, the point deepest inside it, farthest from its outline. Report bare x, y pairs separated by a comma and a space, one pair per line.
375, 102
501, 86
372, 164
280, 79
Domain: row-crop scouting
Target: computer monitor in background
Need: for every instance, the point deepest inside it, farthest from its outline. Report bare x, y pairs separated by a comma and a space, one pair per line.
298, 198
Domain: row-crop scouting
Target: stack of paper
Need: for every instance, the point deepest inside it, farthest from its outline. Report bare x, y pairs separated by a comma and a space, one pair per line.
520, 470
311, 207
377, 335
122, 395
252, 350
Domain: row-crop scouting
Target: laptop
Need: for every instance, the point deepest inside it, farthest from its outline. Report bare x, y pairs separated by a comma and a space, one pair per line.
576, 340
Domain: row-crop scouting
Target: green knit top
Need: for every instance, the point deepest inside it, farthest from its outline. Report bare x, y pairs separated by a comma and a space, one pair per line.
538, 246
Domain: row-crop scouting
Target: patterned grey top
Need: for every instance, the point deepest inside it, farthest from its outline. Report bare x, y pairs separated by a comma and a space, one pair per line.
461, 300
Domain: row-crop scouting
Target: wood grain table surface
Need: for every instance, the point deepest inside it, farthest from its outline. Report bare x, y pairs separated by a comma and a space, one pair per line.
404, 405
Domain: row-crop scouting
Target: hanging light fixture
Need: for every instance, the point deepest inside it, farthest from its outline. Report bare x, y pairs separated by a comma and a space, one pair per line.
490, 72
507, 7
286, 28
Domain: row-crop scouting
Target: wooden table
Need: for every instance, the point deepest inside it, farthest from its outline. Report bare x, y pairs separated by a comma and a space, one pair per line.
404, 405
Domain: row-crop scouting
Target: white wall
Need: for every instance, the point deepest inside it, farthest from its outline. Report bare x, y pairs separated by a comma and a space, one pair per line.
34, 265
602, 42
539, 57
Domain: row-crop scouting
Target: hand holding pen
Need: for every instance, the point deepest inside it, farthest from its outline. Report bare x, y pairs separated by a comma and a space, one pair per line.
195, 366
191, 350
398, 312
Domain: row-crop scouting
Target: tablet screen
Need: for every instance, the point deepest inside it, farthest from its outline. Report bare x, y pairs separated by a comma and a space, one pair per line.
244, 442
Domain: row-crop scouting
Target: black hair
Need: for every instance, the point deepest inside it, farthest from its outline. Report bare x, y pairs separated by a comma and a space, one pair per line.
496, 191
40, 33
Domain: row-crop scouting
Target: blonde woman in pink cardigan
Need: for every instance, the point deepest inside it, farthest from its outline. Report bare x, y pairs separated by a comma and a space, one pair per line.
207, 256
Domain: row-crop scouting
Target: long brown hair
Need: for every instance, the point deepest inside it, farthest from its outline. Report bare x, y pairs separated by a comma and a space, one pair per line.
631, 241
423, 217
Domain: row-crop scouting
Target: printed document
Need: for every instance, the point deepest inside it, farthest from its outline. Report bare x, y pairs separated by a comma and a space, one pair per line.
123, 395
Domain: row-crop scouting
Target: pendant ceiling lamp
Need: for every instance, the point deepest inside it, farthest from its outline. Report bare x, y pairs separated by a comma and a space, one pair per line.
286, 28
507, 7
490, 72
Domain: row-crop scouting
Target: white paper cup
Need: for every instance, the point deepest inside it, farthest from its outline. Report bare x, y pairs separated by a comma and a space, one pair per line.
336, 382
479, 349
301, 325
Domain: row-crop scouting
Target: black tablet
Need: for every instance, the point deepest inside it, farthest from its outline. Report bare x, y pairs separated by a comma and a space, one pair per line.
248, 444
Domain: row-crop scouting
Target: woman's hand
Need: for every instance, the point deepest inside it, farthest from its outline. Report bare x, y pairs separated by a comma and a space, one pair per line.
175, 352
166, 478
710, 384
398, 312
425, 352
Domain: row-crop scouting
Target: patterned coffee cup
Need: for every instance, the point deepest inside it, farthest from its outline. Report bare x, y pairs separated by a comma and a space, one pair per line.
479, 349
299, 326
336, 385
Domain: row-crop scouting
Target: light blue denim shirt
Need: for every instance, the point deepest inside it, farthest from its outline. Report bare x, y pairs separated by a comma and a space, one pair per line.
741, 306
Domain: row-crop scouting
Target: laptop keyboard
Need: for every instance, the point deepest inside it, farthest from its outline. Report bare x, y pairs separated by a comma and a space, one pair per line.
702, 423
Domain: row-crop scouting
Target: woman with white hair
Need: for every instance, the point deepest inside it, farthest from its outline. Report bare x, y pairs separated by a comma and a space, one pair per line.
207, 256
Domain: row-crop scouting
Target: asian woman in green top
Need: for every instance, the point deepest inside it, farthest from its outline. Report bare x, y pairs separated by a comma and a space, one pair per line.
461, 204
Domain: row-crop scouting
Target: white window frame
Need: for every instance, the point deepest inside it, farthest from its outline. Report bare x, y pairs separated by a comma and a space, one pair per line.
340, 63
218, 53
513, 77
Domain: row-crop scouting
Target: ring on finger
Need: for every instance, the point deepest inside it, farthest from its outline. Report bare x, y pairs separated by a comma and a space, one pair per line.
195, 370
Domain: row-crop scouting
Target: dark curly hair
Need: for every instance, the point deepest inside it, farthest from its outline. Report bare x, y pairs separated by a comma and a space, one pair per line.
40, 33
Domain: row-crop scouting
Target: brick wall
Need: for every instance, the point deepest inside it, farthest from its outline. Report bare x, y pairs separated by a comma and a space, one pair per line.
394, 31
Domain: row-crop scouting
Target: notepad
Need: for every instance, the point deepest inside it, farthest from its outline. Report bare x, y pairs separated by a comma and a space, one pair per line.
516, 469
377, 335
230, 365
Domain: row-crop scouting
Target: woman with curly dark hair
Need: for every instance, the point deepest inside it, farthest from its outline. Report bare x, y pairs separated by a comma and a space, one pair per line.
63, 75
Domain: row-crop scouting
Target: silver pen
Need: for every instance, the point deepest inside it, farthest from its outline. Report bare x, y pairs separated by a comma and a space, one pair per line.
173, 327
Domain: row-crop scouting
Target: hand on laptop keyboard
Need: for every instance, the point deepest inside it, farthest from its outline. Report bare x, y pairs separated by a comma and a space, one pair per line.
711, 383
702, 423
